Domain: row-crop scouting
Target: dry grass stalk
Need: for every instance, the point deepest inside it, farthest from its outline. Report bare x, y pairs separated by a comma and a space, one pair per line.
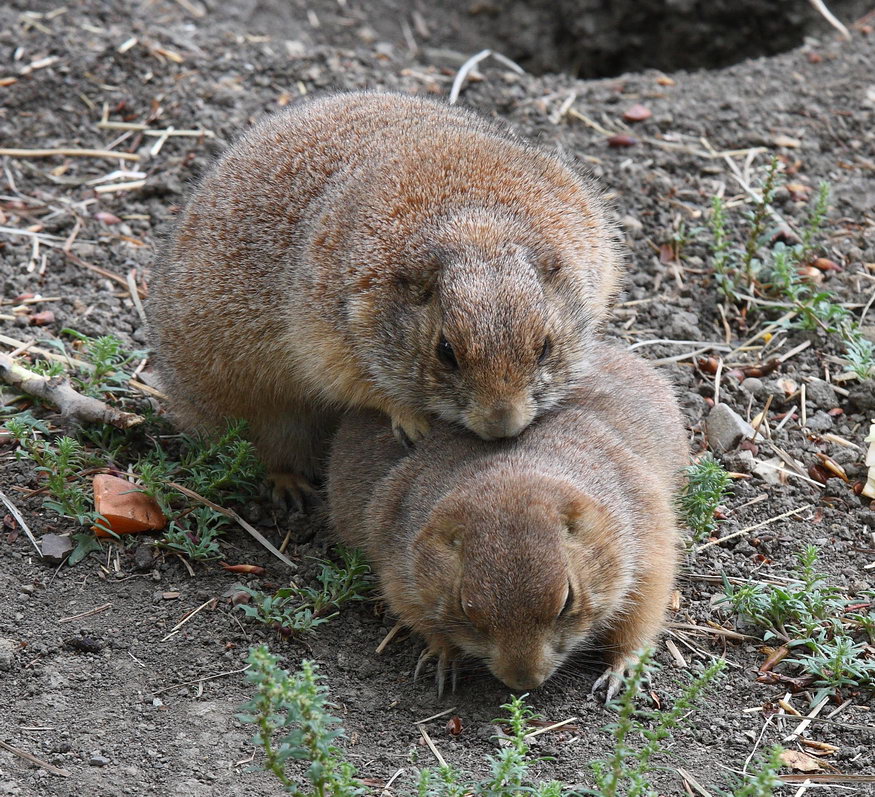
20, 520
68, 153
230, 513
34, 760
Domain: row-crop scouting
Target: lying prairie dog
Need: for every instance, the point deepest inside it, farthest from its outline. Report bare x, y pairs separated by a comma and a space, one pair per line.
373, 250
519, 551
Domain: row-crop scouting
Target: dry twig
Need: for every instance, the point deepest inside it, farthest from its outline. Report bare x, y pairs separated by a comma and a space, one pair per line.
58, 391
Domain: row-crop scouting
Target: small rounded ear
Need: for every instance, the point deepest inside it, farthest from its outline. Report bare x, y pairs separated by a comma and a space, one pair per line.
444, 533
417, 280
585, 515
550, 264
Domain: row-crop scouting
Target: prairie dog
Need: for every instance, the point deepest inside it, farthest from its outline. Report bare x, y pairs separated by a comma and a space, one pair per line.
372, 250
518, 551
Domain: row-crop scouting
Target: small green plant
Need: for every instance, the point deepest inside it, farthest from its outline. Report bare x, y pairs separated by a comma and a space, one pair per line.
720, 249
815, 220
810, 617
197, 539
750, 263
59, 462
297, 705
108, 359
706, 488
298, 610
626, 771
756, 270
222, 470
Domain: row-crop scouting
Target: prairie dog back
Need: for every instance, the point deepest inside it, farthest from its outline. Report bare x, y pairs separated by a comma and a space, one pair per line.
519, 551
379, 251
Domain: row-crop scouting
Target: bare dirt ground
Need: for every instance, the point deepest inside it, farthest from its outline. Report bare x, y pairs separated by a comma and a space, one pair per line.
135, 716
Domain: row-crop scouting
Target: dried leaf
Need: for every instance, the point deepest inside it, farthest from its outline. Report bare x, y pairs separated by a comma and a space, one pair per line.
799, 761
254, 570
454, 725
637, 113
620, 141
831, 465
825, 264
42, 319
786, 141
777, 655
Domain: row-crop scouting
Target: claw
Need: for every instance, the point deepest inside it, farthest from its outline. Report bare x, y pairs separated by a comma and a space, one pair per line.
408, 430
611, 680
291, 486
423, 658
454, 674
440, 674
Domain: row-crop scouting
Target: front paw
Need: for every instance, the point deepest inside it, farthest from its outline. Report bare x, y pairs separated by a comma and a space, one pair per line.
409, 429
613, 679
447, 659
292, 487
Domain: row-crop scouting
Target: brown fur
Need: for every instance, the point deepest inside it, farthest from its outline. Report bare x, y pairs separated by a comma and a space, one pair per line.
320, 261
476, 544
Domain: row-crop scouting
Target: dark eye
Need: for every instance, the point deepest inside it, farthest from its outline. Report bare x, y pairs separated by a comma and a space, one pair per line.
569, 602
545, 350
446, 354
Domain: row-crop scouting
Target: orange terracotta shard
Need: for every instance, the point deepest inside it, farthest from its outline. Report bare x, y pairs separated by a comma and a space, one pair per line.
126, 510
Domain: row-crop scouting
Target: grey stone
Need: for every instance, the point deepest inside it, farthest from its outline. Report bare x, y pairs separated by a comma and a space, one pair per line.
725, 428
97, 760
754, 386
684, 325
7, 653
56, 547
143, 557
821, 394
820, 422
862, 395
739, 461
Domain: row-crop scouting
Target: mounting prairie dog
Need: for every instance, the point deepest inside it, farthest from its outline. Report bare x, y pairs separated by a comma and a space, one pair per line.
379, 251
518, 551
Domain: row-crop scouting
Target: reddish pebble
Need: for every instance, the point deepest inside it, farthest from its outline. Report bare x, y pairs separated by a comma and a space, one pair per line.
107, 217
825, 264
622, 141
814, 58
637, 113
42, 319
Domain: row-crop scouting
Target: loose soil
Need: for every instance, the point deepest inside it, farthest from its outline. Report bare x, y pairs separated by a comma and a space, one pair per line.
136, 717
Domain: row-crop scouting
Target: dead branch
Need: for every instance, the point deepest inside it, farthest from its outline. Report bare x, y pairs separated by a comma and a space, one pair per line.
58, 391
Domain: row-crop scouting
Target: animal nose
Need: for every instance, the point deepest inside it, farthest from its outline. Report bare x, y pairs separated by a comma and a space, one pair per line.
522, 681
506, 420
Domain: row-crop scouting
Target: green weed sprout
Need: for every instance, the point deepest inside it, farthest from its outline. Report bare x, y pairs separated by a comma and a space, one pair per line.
749, 261
299, 610
297, 705
291, 713
809, 617
707, 487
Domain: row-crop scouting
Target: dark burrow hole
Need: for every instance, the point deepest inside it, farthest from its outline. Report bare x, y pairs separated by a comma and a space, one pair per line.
601, 38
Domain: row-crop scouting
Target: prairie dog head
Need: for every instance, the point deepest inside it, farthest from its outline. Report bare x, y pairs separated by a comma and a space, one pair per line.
519, 573
482, 326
